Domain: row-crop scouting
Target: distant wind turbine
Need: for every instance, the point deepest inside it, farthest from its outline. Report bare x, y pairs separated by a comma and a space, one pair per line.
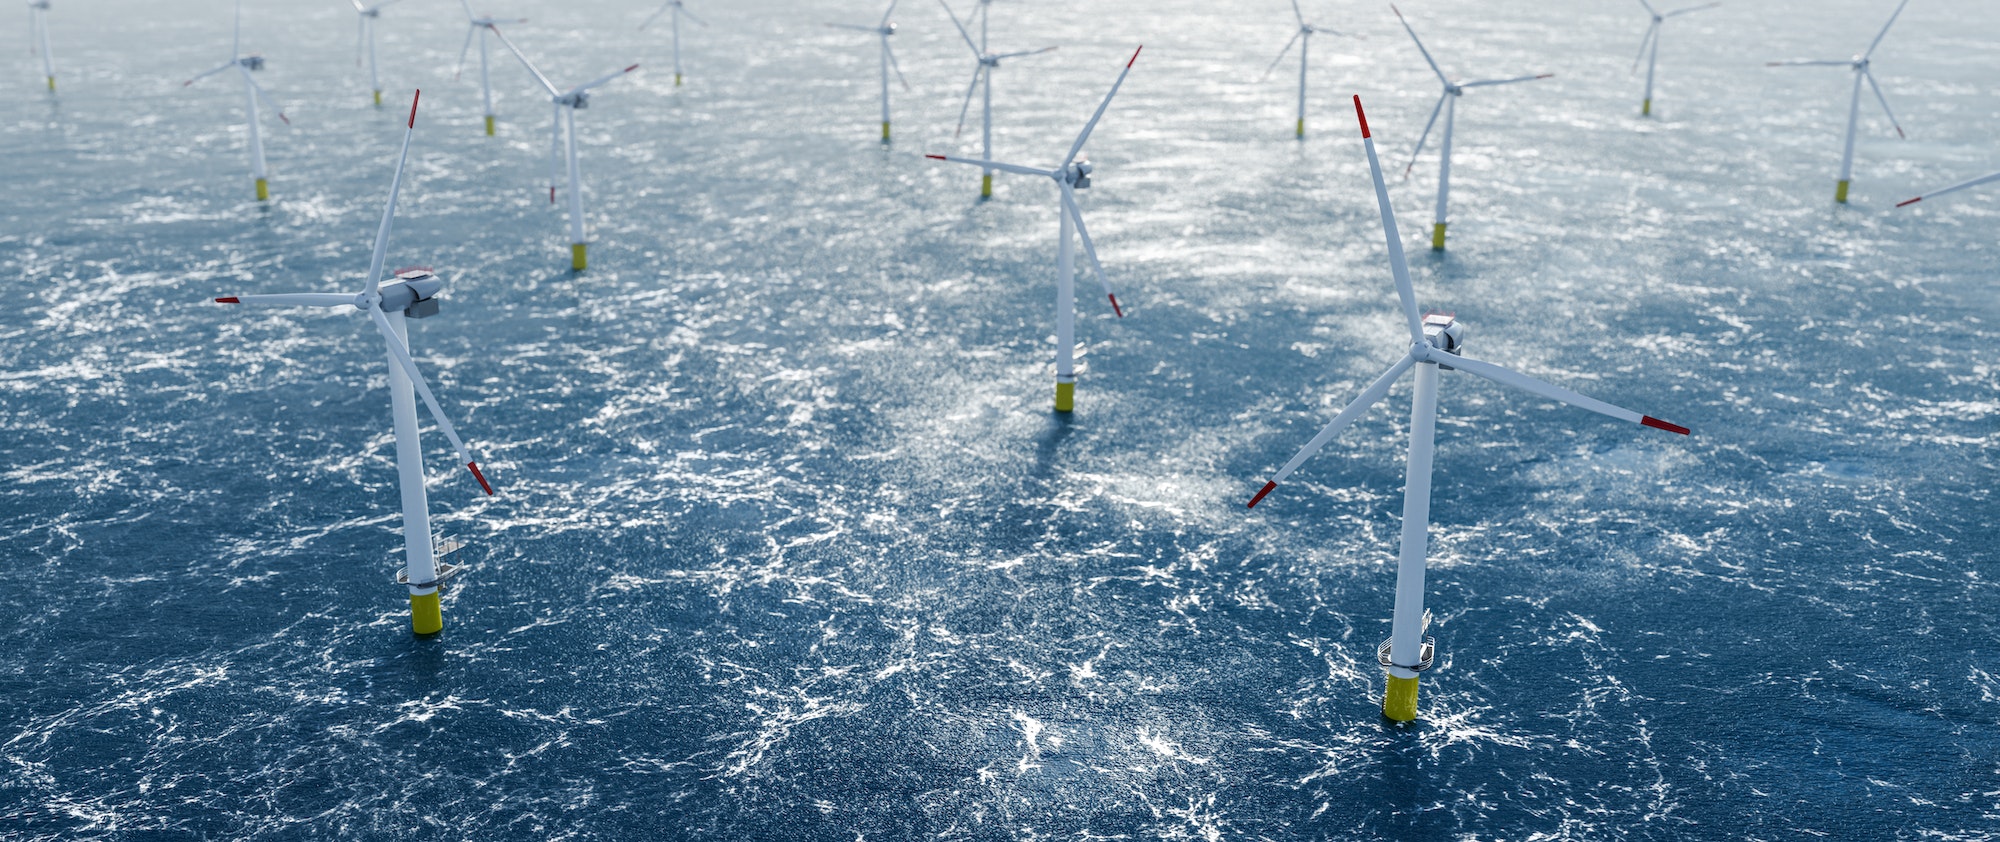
252, 94
1862, 73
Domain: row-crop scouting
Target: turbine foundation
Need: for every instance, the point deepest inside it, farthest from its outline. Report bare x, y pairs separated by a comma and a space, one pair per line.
426, 613
1399, 700
1437, 237
576, 256
263, 191
1840, 191
1066, 394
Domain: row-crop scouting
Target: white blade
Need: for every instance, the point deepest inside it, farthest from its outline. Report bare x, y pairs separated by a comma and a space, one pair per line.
1984, 179
1092, 125
1509, 377
682, 10
360, 35
1420, 45
536, 72
1870, 76
657, 13
1649, 8
1678, 12
602, 79
1885, 29
470, 32
1298, 15
292, 299
1422, 138
893, 64
1487, 83
402, 356
857, 27
886, 13
1359, 407
1652, 31
1089, 249
468, 10
1398, 267
1281, 55
207, 73
1025, 53
966, 108
374, 279
994, 165
266, 97
1811, 63
976, 52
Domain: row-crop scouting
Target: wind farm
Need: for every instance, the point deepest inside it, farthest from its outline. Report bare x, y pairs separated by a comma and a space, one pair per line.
787, 538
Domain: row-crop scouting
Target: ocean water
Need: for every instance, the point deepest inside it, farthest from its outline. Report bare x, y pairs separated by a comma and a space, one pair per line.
789, 544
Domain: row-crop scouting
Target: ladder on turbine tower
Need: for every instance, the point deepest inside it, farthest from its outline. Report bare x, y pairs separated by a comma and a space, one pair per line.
440, 547
1426, 653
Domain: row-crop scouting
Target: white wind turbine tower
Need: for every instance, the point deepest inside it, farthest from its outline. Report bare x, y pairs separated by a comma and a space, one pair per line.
1072, 175
1436, 344
679, 9
1984, 179
412, 295
252, 94
1448, 103
1303, 38
883, 30
1860, 66
983, 75
364, 40
480, 26
38, 31
1649, 46
566, 103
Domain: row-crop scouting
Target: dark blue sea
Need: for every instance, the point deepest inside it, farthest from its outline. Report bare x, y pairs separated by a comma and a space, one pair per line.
789, 543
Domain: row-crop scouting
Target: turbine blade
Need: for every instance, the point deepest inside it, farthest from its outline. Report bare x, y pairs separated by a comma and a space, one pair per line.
1652, 31
1811, 63
1678, 12
291, 299
855, 26
682, 10
1885, 29
402, 356
1422, 138
532, 70
1092, 125
1025, 53
374, 279
1870, 76
656, 14
893, 64
1420, 45
602, 79
976, 52
967, 106
1984, 179
470, 31
1298, 15
207, 73
1509, 377
994, 165
1487, 83
1398, 267
266, 98
886, 13
1353, 412
1089, 249
1649, 8
1281, 55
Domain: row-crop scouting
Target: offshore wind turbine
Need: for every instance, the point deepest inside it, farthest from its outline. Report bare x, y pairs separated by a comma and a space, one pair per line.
1436, 344
38, 31
1984, 179
1448, 103
678, 9
480, 26
1070, 176
412, 295
883, 29
1862, 72
253, 93
983, 73
566, 103
1303, 38
364, 40
1649, 46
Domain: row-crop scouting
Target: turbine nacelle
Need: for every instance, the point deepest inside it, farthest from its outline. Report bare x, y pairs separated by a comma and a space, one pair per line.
251, 62
414, 292
575, 99
1445, 332
1076, 175
39, 4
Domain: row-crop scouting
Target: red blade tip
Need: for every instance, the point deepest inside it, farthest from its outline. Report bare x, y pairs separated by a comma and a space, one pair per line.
413, 107
1910, 201
230, 300
1657, 424
1114, 306
281, 116
937, 157
1268, 488
481, 477
1135, 57
630, 69
1363, 115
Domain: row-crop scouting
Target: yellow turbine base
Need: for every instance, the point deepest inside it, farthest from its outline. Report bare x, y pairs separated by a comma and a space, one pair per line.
1065, 396
986, 187
489, 125
1647, 109
52, 84
426, 614
263, 191
1437, 237
1399, 700
378, 97
677, 80
1302, 127
1840, 192
885, 131
576, 260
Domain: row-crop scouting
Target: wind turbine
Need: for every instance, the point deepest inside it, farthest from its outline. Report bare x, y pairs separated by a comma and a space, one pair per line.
480, 26
252, 94
412, 295
1072, 175
38, 26
1303, 38
1436, 344
1952, 189
884, 29
678, 9
988, 62
565, 126
1649, 46
1861, 72
364, 39
1448, 103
